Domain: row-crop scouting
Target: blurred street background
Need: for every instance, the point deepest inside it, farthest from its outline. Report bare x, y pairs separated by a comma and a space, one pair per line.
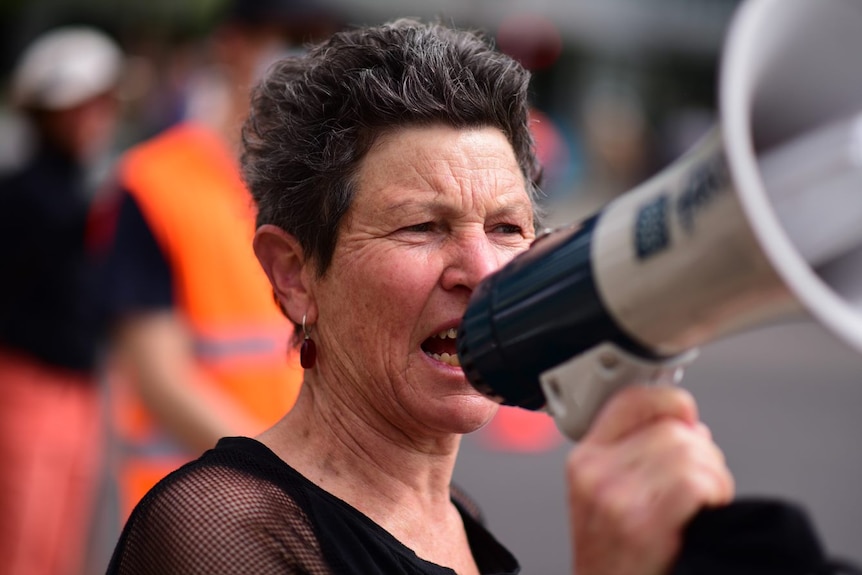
621, 88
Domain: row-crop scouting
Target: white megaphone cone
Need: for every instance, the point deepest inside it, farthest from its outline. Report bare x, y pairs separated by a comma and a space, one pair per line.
760, 222
791, 105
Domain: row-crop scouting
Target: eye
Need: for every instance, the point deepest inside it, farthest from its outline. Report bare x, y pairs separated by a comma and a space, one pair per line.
507, 229
419, 228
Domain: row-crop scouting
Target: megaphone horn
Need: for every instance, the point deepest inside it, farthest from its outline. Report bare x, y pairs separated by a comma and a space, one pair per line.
759, 222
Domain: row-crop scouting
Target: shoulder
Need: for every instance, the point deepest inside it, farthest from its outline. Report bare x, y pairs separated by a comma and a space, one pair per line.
224, 512
236, 483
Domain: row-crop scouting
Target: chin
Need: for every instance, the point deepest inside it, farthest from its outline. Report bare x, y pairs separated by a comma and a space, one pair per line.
470, 414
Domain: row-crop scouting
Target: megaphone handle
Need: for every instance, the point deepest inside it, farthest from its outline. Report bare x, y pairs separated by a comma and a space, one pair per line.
577, 389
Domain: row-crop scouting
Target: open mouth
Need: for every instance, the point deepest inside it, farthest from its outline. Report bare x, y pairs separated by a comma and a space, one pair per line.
443, 347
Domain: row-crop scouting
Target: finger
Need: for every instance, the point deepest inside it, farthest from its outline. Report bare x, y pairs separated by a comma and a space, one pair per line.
673, 508
638, 497
681, 498
636, 524
635, 406
665, 450
672, 450
642, 462
667, 444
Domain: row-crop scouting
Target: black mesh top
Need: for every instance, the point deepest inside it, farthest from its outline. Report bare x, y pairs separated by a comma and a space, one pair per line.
240, 509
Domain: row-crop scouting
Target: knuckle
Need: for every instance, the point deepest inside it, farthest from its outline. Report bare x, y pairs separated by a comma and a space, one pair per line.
674, 435
704, 487
683, 396
692, 483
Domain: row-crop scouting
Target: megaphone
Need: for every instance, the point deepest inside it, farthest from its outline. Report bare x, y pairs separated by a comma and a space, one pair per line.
758, 223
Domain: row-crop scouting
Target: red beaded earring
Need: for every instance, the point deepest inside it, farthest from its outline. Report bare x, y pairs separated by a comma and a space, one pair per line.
308, 351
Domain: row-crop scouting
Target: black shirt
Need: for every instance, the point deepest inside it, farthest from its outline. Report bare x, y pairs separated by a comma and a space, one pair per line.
241, 509
49, 282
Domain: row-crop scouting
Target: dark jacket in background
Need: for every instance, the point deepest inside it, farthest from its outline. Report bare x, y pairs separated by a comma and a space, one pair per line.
48, 280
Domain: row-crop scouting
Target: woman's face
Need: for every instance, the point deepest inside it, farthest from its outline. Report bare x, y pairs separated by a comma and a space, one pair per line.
437, 209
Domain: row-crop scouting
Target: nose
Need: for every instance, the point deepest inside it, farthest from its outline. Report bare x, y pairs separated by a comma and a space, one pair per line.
470, 259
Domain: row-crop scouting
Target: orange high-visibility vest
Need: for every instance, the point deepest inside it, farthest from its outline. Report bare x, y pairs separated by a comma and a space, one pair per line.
188, 188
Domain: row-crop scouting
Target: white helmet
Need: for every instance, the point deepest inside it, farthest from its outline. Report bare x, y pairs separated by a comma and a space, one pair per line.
66, 67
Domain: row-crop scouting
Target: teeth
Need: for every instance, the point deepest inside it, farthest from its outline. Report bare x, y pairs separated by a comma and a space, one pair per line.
450, 359
450, 333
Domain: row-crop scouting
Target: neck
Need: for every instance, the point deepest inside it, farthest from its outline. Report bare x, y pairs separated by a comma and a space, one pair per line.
400, 482
390, 474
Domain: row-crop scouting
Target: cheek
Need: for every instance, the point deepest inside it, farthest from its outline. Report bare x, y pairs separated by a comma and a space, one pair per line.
505, 254
387, 291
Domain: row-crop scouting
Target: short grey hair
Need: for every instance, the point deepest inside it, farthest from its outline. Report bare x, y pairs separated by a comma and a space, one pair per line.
315, 116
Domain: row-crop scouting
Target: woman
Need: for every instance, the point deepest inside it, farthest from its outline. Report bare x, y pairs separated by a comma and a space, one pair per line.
393, 169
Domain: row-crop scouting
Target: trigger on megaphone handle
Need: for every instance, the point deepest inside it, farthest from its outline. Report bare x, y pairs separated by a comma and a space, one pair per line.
577, 389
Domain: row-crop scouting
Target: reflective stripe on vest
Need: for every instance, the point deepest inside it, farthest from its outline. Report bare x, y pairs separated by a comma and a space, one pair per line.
240, 344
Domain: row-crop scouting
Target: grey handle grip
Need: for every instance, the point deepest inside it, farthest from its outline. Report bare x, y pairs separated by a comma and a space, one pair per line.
577, 389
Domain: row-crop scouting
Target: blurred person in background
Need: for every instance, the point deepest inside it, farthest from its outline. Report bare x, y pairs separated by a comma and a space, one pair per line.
201, 347
64, 84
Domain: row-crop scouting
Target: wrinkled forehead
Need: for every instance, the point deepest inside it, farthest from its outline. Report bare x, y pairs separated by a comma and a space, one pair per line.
440, 159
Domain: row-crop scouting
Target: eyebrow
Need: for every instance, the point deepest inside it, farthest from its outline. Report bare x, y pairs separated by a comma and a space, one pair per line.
409, 204
412, 205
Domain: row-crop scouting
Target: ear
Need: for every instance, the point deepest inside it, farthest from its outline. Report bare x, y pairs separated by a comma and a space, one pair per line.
284, 262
